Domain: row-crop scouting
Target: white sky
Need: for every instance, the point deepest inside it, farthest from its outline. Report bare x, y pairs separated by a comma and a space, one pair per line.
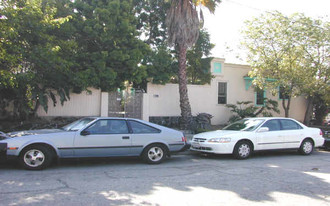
224, 26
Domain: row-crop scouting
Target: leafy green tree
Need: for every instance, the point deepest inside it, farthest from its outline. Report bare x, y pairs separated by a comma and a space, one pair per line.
30, 54
109, 49
161, 66
161, 63
199, 60
289, 51
183, 28
314, 38
151, 21
54, 47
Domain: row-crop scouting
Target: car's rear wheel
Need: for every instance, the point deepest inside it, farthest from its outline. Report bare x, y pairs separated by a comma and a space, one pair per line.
306, 147
242, 150
154, 154
35, 157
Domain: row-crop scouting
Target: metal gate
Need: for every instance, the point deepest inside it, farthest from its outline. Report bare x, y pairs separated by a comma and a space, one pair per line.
126, 103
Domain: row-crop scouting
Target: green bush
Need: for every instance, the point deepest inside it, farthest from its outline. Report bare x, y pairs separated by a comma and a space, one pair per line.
247, 109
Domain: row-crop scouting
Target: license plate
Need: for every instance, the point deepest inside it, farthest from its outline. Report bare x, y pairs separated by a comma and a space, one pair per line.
194, 144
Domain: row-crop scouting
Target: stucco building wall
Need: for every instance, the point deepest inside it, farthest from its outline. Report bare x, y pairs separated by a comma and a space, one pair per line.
163, 100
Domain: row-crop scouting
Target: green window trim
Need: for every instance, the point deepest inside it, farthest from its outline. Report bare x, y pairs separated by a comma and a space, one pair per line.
256, 98
217, 68
248, 81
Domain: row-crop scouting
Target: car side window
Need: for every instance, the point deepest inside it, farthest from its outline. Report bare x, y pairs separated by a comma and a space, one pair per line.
108, 126
140, 128
289, 124
273, 125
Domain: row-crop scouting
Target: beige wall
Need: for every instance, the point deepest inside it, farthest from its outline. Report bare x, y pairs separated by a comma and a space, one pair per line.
163, 100
83, 104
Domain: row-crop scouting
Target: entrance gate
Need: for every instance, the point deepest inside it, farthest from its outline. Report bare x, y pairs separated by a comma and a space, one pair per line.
126, 103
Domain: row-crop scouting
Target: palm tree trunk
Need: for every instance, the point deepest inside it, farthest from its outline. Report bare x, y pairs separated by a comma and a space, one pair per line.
183, 90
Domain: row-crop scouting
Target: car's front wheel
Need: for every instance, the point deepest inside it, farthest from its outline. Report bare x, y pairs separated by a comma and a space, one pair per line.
306, 147
154, 154
242, 150
35, 157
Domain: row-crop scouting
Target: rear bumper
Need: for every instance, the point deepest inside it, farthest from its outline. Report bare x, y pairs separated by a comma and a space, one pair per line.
186, 147
179, 148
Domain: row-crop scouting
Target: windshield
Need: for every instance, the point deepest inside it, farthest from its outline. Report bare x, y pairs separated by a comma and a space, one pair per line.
244, 125
77, 125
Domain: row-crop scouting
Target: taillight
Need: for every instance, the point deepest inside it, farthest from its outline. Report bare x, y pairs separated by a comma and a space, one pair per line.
184, 139
321, 132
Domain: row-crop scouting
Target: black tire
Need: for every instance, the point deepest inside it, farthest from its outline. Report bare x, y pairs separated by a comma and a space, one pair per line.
243, 150
154, 154
36, 157
306, 147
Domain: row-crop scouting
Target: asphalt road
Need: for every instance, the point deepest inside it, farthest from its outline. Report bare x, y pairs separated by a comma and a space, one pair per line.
276, 178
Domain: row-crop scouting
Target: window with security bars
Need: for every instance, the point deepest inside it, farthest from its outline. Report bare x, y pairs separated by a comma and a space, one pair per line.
222, 93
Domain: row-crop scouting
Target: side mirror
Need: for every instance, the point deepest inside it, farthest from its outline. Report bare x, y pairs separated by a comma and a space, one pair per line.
85, 133
263, 129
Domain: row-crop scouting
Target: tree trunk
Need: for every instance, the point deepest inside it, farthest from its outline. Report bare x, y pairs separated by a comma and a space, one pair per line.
35, 109
309, 110
286, 106
183, 90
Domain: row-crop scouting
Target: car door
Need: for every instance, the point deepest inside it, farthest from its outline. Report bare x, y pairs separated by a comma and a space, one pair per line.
142, 135
293, 133
105, 137
271, 139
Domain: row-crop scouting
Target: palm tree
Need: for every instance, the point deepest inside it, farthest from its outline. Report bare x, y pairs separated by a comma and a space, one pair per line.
183, 24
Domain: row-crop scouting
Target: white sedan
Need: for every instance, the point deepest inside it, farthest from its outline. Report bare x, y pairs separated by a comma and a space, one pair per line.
254, 134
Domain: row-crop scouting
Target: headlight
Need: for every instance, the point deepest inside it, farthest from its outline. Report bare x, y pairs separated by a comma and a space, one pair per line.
220, 140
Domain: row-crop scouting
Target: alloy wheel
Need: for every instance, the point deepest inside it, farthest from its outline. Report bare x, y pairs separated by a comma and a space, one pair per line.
34, 158
155, 154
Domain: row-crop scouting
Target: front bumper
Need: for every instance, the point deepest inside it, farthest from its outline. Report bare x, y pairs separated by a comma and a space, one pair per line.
216, 148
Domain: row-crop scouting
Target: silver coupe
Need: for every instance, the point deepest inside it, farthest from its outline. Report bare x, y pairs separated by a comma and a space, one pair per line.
92, 137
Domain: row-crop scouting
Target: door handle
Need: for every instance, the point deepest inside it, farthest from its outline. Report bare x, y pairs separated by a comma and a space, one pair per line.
125, 137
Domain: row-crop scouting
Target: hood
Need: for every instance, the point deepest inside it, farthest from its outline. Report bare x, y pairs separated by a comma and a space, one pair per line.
216, 134
33, 132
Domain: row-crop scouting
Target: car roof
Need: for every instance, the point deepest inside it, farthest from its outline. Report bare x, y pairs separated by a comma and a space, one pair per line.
127, 118
267, 118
